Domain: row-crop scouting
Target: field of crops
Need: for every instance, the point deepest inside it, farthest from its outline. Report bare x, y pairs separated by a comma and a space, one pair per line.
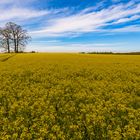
69, 97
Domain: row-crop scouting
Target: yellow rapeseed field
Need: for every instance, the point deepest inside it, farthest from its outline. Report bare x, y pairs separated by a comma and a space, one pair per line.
69, 97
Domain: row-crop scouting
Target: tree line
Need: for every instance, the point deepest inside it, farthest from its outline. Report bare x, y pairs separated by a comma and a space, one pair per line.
13, 38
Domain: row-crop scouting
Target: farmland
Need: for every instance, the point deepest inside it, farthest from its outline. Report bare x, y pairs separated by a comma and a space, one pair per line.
69, 96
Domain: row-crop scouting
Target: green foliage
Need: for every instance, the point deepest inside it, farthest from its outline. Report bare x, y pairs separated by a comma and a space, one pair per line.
69, 96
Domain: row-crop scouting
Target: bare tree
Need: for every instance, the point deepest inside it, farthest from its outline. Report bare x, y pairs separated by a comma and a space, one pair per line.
18, 36
5, 39
13, 36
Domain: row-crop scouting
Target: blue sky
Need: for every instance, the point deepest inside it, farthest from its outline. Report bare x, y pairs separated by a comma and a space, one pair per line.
76, 25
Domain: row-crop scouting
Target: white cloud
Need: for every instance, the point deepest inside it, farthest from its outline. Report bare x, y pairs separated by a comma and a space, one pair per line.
6, 1
84, 22
15, 2
124, 20
131, 28
61, 22
19, 11
20, 14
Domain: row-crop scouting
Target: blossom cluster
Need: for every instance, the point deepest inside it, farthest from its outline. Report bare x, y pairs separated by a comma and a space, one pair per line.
69, 96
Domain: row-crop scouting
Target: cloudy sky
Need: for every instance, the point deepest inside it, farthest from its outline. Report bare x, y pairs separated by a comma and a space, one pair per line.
76, 25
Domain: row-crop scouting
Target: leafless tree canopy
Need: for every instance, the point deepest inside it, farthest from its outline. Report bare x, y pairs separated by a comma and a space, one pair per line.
13, 37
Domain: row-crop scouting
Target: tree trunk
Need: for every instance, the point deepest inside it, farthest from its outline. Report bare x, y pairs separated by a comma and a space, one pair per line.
8, 46
15, 45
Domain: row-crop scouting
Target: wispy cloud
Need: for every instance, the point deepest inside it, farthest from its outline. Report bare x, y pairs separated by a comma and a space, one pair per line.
66, 22
15, 2
20, 14
19, 11
89, 20
124, 20
131, 28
